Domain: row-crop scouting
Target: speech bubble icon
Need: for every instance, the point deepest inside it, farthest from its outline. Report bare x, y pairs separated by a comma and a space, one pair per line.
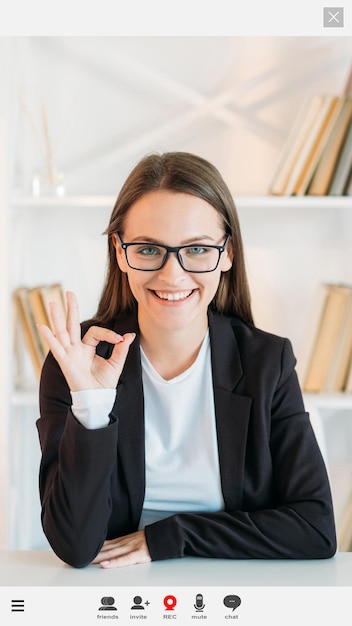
232, 602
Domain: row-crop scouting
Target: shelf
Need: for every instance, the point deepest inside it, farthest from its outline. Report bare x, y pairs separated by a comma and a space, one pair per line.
293, 202
328, 400
24, 398
29, 398
242, 202
66, 201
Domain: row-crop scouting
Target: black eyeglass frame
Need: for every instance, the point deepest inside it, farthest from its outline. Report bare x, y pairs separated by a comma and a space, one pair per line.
174, 250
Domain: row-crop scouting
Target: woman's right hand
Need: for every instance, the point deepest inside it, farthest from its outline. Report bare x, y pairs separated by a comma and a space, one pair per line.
79, 362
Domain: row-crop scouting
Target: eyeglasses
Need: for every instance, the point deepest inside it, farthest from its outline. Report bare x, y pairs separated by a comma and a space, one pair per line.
150, 257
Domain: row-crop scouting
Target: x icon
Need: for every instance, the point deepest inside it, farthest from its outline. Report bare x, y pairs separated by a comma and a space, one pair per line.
333, 17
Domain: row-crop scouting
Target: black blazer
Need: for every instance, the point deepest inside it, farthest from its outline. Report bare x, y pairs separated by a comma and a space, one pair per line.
274, 482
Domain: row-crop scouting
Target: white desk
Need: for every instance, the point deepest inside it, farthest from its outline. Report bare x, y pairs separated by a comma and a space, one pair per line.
42, 568
265, 592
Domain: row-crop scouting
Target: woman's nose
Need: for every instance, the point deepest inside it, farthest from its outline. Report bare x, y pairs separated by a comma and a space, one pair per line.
172, 270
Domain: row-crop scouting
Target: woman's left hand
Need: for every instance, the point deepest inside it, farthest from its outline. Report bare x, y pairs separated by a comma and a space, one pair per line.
128, 550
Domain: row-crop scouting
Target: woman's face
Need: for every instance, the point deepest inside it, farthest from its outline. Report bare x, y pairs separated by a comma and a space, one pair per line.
171, 298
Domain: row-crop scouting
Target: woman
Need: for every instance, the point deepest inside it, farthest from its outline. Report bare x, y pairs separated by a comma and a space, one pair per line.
176, 427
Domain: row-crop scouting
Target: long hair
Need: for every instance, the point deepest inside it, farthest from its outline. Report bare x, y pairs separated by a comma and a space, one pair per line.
186, 173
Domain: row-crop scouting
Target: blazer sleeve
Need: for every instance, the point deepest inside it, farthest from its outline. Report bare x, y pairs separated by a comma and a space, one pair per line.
75, 473
298, 522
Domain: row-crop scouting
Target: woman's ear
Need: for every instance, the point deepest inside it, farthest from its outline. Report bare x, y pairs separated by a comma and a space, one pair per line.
120, 254
227, 257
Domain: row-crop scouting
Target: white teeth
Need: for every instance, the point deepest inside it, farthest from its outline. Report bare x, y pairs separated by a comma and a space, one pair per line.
173, 296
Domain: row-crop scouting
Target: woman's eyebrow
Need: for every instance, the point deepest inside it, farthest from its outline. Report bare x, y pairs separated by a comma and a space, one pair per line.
185, 242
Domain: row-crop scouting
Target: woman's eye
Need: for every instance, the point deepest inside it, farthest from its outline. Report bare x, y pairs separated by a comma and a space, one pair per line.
148, 251
197, 250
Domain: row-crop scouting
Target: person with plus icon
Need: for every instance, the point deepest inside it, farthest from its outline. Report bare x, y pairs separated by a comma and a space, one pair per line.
137, 600
170, 425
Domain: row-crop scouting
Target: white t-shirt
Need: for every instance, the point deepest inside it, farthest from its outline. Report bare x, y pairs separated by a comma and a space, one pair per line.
182, 462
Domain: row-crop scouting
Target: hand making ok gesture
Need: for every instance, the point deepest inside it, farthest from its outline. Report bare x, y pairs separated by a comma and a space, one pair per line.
82, 367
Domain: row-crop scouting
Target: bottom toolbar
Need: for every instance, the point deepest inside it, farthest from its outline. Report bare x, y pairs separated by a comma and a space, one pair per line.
56, 606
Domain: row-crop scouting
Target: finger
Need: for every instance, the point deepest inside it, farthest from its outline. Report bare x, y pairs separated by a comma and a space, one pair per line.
121, 546
115, 548
109, 542
108, 545
130, 556
54, 345
59, 324
120, 351
95, 334
73, 320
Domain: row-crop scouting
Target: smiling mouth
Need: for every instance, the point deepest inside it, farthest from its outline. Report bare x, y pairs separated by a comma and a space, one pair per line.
173, 297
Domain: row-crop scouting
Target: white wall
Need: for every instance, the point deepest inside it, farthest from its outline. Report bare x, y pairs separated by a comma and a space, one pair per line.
110, 100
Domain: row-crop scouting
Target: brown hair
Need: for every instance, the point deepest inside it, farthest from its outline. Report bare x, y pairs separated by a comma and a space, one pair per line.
186, 173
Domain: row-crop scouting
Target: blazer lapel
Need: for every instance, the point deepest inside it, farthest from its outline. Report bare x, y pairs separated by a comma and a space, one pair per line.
232, 410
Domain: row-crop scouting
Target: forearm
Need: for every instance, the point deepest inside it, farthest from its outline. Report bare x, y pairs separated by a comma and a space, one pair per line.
280, 533
76, 491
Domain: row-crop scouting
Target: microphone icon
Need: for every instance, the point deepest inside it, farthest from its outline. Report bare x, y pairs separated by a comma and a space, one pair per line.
199, 605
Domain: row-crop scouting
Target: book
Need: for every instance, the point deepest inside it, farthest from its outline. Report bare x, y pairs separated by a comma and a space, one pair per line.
344, 529
309, 142
343, 168
29, 329
348, 190
325, 169
340, 475
315, 315
348, 383
295, 142
316, 144
32, 308
337, 372
332, 316
39, 312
